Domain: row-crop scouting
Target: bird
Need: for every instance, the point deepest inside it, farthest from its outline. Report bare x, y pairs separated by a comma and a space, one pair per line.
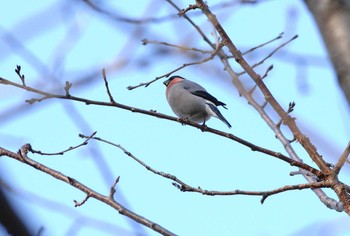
191, 101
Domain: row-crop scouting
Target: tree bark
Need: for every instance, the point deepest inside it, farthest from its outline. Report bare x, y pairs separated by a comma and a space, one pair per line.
333, 20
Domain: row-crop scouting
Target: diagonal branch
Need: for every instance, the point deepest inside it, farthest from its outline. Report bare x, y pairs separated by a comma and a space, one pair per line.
287, 119
342, 159
269, 55
263, 44
22, 157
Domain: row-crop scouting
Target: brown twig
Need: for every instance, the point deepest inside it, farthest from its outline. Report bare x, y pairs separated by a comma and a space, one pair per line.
77, 204
64, 151
111, 99
146, 41
268, 56
263, 44
112, 191
189, 8
20, 75
342, 159
212, 55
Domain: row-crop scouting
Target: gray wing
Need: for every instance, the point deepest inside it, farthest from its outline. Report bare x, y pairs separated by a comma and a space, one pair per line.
199, 91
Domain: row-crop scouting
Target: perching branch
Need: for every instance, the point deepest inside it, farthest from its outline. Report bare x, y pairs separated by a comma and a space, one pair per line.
230, 136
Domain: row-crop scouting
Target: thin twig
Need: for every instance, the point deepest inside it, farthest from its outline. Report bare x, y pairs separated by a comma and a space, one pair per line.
107, 87
197, 28
67, 150
121, 18
267, 72
262, 77
77, 204
263, 44
295, 187
146, 41
112, 191
342, 159
189, 8
212, 55
20, 75
269, 55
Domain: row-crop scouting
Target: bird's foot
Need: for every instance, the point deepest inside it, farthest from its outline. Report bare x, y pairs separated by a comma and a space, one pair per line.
182, 120
203, 127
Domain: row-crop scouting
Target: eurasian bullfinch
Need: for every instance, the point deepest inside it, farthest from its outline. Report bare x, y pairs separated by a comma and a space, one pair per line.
189, 100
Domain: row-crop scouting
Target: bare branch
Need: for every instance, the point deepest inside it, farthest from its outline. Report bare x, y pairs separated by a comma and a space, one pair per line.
263, 77
267, 71
107, 87
213, 54
146, 41
22, 157
198, 29
294, 187
21, 76
274, 51
264, 194
64, 151
77, 204
268, 56
67, 87
189, 8
290, 122
291, 107
342, 159
112, 191
263, 44
126, 19
187, 188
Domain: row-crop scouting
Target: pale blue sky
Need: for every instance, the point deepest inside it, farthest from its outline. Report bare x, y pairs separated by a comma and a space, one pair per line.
63, 41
